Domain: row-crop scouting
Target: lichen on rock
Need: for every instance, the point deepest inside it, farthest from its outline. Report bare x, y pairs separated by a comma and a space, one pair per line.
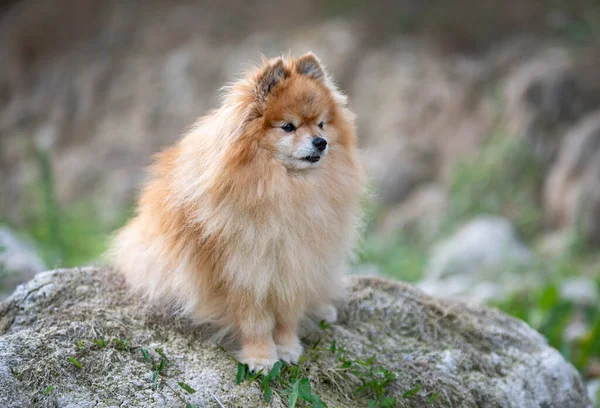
465, 356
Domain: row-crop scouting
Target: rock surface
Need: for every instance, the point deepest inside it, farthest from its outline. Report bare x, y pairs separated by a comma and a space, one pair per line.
472, 356
18, 262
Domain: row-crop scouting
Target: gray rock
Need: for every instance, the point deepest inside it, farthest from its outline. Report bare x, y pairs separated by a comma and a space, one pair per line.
593, 388
485, 242
579, 290
471, 356
468, 264
18, 262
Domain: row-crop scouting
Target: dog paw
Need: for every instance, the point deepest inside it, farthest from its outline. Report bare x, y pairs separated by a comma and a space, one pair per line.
290, 353
258, 359
326, 312
257, 364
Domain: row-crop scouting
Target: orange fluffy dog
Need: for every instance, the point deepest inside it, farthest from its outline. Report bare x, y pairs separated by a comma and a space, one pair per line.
248, 219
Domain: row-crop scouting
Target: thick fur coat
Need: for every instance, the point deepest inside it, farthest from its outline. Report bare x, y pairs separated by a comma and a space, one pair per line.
248, 220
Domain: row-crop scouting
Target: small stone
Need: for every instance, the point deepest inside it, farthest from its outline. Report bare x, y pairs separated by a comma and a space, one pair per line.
593, 390
18, 261
483, 260
575, 330
580, 290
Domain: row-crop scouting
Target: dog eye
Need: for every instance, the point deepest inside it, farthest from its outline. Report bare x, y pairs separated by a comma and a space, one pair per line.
288, 127
321, 125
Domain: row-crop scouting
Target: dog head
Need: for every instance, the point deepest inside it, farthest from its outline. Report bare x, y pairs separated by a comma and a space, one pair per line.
295, 112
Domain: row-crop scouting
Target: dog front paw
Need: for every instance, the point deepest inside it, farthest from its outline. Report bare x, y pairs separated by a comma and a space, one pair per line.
260, 364
326, 312
258, 358
291, 352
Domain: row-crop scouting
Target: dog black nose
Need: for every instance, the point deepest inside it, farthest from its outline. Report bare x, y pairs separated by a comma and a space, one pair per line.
320, 143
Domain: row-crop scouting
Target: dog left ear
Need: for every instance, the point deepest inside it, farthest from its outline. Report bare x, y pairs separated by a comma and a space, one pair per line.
272, 74
310, 66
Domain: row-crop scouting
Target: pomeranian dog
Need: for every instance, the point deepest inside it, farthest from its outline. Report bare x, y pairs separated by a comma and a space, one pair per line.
247, 221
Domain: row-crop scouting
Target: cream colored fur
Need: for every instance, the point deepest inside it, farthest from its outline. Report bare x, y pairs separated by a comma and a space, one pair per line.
251, 243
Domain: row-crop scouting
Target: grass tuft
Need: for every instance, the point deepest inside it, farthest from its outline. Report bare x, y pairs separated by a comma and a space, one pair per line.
294, 383
74, 361
158, 363
187, 388
64, 235
48, 389
545, 311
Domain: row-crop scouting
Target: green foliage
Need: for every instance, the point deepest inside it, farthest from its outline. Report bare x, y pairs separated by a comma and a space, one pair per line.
186, 387
160, 352
305, 393
155, 379
285, 380
158, 364
145, 354
323, 325
100, 343
122, 344
545, 311
268, 378
402, 257
293, 398
295, 382
241, 373
75, 362
412, 392
64, 236
434, 396
48, 389
504, 178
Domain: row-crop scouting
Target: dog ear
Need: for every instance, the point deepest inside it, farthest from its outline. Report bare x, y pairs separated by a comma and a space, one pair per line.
310, 66
270, 76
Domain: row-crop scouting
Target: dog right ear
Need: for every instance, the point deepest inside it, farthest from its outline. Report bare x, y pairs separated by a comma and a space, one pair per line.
270, 76
310, 66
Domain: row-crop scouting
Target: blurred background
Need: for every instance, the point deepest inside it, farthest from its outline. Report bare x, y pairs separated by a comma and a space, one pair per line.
479, 123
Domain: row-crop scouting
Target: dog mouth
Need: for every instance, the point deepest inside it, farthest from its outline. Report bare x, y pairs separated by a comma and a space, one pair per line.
311, 158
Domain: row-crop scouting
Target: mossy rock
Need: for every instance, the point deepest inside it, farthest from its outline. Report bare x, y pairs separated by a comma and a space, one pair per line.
446, 352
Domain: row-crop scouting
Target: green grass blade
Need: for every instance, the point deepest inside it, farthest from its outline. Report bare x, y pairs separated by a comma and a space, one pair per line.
293, 398
412, 392
241, 373
75, 362
155, 380
161, 353
145, 354
187, 388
